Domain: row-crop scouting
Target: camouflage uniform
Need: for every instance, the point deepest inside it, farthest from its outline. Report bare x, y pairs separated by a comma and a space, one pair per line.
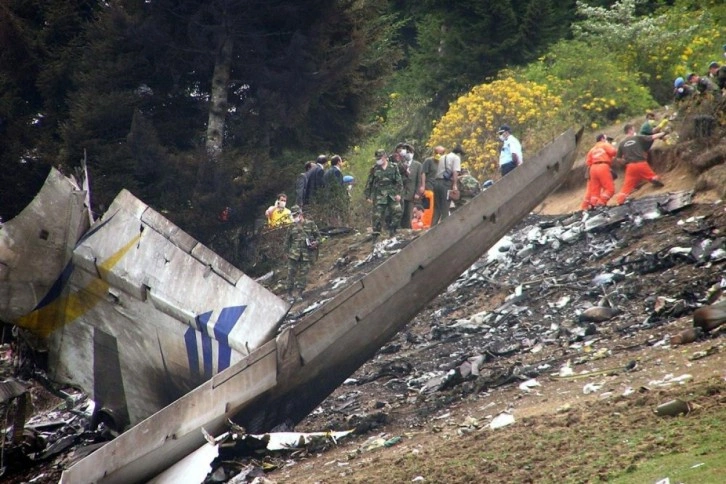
468, 188
299, 255
382, 187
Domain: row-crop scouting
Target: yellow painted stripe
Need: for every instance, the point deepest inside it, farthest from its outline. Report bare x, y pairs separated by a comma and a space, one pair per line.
72, 306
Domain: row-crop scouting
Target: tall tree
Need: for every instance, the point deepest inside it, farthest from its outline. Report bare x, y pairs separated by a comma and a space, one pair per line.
35, 38
458, 45
232, 84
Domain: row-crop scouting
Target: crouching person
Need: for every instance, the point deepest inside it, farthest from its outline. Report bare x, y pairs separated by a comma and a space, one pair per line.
301, 246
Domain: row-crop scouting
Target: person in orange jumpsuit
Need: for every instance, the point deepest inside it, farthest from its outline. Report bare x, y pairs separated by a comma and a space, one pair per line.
600, 186
633, 152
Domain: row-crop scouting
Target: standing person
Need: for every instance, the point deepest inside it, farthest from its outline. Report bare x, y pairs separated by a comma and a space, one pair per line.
510, 156
413, 188
333, 175
315, 180
336, 194
301, 244
301, 185
429, 169
277, 214
600, 186
633, 152
445, 179
384, 187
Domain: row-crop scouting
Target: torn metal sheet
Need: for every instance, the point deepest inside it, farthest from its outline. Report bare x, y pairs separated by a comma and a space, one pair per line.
10, 389
37, 244
296, 440
192, 469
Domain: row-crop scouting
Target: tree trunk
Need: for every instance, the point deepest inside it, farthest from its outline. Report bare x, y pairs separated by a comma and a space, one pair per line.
207, 172
218, 106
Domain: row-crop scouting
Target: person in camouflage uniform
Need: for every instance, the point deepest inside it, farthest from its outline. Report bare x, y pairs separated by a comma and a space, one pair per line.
468, 187
301, 245
384, 188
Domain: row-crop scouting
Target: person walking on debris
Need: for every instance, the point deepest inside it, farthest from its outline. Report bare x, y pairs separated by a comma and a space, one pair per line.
301, 245
600, 186
384, 188
633, 152
510, 156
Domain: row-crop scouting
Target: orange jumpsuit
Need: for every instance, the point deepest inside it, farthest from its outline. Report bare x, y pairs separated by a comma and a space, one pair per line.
634, 151
600, 186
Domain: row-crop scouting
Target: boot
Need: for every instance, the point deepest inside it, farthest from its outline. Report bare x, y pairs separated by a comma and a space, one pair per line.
299, 295
290, 297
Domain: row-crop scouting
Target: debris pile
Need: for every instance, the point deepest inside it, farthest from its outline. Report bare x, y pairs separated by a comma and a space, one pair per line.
42, 441
566, 290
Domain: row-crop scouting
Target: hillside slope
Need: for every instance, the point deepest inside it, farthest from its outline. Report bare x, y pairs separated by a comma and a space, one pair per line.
521, 320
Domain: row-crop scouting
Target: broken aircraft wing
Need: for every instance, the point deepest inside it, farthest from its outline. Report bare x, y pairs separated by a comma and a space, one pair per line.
287, 378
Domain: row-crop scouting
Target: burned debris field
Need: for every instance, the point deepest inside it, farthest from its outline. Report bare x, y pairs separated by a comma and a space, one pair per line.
570, 326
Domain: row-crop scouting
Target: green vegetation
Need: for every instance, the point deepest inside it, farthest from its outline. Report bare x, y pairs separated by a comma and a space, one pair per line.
620, 62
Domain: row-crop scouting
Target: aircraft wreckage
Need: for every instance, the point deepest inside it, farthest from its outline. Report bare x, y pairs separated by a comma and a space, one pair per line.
146, 319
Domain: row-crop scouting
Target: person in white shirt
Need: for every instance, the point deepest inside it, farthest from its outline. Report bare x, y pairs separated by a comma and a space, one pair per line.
510, 156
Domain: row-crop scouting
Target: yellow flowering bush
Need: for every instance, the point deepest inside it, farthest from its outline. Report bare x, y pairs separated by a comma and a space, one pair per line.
472, 121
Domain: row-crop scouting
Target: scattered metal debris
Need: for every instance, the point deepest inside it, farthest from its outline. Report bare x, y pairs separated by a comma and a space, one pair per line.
673, 408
